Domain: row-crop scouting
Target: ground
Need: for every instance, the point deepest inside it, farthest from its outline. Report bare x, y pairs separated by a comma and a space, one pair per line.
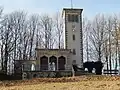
71, 83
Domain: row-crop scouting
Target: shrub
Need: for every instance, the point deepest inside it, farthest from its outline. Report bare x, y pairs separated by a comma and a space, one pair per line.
98, 67
89, 65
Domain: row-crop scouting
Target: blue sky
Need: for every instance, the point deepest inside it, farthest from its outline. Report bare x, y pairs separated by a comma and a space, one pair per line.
91, 7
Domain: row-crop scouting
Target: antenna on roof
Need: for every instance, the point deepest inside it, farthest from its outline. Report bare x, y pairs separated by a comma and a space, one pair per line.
71, 4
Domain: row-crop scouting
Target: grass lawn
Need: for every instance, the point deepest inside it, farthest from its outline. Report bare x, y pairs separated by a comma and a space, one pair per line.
74, 83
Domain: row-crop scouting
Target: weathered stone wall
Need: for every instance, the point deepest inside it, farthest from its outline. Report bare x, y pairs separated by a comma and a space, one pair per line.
54, 52
46, 74
24, 65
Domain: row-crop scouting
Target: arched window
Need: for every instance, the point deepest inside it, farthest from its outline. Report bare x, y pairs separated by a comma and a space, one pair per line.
74, 52
52, 60
44, 63
61, 63
73, 37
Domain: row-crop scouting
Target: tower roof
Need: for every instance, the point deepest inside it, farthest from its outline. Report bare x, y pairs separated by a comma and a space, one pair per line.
71, 9
74, 9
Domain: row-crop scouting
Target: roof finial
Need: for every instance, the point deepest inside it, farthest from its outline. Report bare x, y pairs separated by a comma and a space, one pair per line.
71, 4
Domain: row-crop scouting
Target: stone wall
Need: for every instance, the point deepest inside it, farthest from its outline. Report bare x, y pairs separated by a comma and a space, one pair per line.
46, 74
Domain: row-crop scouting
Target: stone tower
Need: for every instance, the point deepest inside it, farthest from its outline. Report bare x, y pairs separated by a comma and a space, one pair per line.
73, 34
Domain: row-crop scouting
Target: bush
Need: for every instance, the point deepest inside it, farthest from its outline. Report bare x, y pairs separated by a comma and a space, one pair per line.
89, 66
98, 65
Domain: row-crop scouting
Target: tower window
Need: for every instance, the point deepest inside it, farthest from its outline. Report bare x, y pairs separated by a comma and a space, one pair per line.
72, 18
76, 18
69, 18
73, 37
74, 52
74, 62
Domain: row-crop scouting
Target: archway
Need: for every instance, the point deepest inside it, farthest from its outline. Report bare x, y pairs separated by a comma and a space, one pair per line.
44, 63
53, 59
61, 63
32, 67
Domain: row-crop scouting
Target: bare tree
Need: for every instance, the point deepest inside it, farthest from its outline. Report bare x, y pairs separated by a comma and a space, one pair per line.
33, 27
86, 32
109, 28
25, 41
59, 29
119, 42
97, 36
47, 27
1, 38
7, 39
115, 35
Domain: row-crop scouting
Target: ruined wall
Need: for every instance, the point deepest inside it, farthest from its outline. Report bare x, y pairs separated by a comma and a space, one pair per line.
46, 74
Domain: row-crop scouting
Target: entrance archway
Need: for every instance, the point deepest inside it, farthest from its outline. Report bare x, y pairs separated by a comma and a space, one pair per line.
44, 63
53, 59
61, 63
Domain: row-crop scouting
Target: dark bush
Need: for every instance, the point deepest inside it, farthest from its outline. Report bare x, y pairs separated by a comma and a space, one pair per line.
35, 75
89, 65
6, 77
98, 67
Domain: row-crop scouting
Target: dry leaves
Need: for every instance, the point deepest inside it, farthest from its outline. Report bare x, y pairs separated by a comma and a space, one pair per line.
64, 79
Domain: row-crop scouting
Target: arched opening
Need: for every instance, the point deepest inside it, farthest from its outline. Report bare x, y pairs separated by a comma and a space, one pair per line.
52, 60
44, 63
33, 67
61, 63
